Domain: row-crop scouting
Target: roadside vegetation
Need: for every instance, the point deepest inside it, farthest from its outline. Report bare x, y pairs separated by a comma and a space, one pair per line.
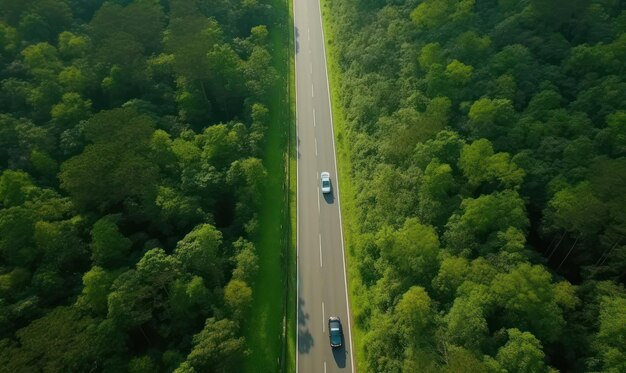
483, 167
271, 318
133, 139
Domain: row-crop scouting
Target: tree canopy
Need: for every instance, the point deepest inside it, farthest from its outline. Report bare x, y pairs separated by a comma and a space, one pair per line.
486, 148
131, 139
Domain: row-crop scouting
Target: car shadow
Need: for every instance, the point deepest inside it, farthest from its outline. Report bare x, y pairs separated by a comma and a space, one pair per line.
329, 197
297, 34
339, 354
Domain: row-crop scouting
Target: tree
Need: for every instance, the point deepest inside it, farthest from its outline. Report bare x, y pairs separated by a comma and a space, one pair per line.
557, 12
430, 54
17, 229
181, 210
13, 283
15, 188
129, 301
527, 297
522, 353
414, 314
383, 345
216, 348
142, 20
137, 294
247, 176
413, 251
260, 73
611, 337
62, 340
108, 246
466, 321
446, 147
480, 165
246, 260
60, 245
238, 298
470, 47
8, 40
431, 14
162, 153
44, 19
491, 118
72, 45
220, 145
459, 73
71, 110
452, 273
436, 194
576, 210
97, 284
406, 127
612, 139
460, 360
115, 167
42, 61
200, 253
480, 220
189, 301
143, 364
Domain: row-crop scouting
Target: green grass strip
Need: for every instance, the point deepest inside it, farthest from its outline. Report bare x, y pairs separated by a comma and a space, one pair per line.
270, 328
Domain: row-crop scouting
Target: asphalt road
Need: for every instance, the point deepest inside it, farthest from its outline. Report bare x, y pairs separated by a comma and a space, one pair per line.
321, 265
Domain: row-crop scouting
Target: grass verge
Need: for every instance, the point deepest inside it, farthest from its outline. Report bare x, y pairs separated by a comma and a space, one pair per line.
348, 206
270, 329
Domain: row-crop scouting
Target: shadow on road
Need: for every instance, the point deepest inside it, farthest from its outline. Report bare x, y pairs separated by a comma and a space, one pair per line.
305, 339
302, 317
340, 356
297, 34
329, 198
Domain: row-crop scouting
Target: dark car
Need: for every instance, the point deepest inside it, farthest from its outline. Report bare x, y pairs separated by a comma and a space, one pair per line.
335, 332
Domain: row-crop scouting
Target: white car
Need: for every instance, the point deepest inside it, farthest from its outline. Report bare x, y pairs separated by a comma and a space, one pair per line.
325, 178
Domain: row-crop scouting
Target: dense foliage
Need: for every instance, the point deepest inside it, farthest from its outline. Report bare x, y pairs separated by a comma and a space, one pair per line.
131, 134
487, 143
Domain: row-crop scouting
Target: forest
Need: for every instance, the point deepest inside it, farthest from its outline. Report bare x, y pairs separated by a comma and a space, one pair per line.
486, 149
131, 139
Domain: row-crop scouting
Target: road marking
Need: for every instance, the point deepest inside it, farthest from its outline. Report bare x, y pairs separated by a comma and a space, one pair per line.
324, 366
321, 264
316, 147
314, 118
312, 93
323, 319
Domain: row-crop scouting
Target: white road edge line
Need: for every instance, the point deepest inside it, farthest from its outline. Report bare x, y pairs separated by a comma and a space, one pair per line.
295, 97
343, 252
321, 263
